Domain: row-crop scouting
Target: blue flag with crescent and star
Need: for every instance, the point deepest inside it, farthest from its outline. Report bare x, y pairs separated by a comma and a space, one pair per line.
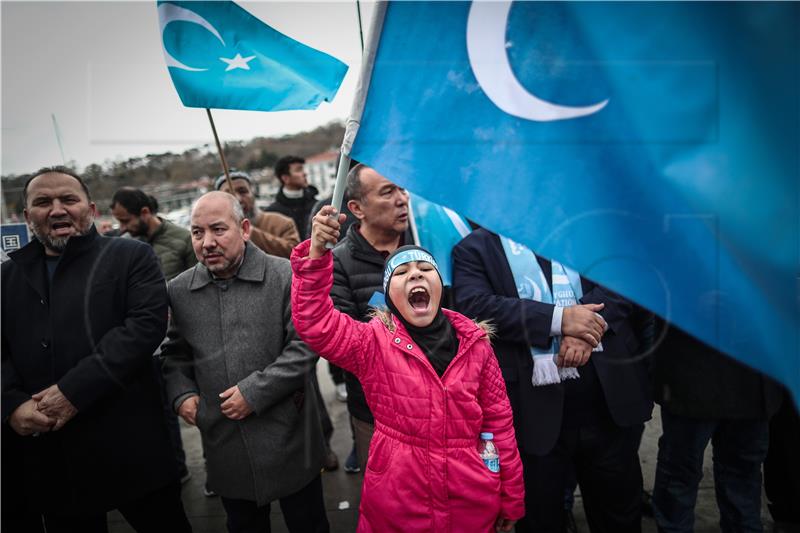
221, 56
653, 147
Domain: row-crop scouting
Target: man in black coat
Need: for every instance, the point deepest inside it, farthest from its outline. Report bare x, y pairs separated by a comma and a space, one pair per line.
381, 208
296, 197
81, 317
592, 423
706, 396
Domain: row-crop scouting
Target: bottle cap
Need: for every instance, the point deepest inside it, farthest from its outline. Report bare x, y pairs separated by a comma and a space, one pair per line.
487, 436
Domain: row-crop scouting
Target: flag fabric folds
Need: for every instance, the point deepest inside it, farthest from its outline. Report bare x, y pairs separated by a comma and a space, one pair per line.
437, 229
653, 147
221, 56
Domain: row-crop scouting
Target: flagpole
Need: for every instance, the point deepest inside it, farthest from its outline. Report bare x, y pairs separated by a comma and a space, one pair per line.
351, 128
360, 27
58, 137
412, 221
221, 153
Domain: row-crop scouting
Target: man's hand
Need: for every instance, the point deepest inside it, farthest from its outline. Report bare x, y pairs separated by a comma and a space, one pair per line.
188, 409
53, 404
583, 322
235, 406
573, 352
504, 524
324, 229
26, 420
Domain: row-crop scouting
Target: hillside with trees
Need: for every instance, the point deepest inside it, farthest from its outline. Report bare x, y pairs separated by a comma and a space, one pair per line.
175, 169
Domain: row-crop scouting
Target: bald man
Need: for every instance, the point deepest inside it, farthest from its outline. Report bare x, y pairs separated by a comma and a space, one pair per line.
236, 369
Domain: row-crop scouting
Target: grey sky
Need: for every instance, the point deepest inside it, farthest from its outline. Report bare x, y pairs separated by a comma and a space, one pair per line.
99, 67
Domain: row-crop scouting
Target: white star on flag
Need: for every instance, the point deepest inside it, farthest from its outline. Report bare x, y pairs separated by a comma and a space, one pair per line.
237, 62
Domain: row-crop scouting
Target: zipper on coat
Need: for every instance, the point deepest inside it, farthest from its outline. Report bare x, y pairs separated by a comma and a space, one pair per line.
444, 438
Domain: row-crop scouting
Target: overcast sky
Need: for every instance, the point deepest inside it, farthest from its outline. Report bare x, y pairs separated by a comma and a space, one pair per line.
99, 68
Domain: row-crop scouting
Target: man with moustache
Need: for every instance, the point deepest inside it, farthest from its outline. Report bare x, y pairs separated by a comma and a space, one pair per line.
81, 316
275, 234
235, 367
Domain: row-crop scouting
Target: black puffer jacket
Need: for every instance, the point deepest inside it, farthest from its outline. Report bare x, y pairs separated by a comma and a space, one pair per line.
298, 209
357, 275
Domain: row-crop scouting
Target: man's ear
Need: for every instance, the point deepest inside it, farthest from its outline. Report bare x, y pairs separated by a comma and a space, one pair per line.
355, 207
246, 227
145, 212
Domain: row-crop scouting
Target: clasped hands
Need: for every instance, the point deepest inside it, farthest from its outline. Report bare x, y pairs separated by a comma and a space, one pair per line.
234, 406
582, 330
47, 410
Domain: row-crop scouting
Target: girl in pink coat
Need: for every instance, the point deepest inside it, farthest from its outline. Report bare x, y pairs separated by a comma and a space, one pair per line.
433, 384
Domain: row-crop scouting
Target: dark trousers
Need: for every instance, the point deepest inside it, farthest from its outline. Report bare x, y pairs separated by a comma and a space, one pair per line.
173, 428
337, 374
325, 418
739, 449
159, 511
303, 512
606, 465
782, 465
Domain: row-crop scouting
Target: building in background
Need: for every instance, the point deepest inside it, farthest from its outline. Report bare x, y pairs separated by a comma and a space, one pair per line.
321, 170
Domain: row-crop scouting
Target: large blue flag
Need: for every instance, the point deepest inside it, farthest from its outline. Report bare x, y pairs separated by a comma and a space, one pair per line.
654, 147
221, 56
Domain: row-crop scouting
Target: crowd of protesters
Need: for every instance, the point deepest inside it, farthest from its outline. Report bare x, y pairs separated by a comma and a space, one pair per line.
106, 341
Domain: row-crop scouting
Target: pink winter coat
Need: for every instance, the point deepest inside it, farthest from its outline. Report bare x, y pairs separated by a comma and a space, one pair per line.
424, 472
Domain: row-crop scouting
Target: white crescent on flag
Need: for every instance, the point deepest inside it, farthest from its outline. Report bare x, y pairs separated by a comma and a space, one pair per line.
486, 48
171, 13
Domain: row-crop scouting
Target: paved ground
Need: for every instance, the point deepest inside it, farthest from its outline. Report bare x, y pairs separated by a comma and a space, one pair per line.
342, 490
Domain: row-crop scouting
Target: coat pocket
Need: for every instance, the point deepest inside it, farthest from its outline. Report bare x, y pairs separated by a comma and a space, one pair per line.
381, 450
482, 466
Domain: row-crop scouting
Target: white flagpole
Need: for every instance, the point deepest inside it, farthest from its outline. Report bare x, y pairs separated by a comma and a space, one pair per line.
353, 123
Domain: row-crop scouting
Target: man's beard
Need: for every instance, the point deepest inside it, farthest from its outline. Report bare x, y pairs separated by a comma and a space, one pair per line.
140, 230
59, 244
250, 215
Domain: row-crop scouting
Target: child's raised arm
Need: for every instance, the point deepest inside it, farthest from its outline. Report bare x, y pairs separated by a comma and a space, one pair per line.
334, 335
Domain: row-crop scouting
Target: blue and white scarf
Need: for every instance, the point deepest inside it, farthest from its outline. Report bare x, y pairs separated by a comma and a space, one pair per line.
532, 285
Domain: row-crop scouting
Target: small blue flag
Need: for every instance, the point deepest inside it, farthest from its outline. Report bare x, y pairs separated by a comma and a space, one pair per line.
377, 301
651, 146
437, 229
221, 56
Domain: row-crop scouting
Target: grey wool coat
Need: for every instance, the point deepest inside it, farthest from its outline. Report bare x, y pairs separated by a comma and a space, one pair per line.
240, 332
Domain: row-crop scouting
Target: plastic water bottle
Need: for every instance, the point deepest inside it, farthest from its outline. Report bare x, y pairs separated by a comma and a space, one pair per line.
488, 452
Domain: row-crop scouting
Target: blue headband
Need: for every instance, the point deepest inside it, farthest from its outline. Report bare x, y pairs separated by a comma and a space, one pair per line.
406, 256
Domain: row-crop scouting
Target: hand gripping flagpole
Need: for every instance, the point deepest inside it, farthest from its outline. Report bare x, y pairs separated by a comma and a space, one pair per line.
351, 128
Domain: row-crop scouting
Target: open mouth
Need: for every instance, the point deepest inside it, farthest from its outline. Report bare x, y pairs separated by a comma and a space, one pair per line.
419, 299
61, 228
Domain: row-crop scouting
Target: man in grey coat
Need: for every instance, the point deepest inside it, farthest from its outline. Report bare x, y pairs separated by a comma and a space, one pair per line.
235, 367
